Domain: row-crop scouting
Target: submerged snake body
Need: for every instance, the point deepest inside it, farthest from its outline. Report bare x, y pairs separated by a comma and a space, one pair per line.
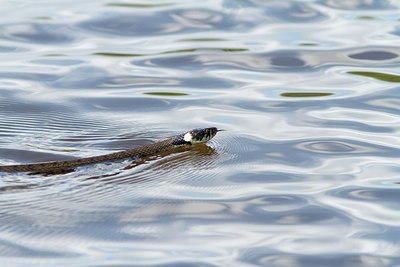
192, 137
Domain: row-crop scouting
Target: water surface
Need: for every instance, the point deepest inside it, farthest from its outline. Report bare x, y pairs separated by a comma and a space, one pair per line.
307, 173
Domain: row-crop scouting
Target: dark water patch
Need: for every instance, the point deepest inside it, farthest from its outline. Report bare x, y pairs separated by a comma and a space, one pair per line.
274, 61
171, 21
123, 104
42, 33
27, 156
396, 31
265, 256
15, 110
329, 147
305, 94
374, 55
261, 205
389, 196
265, 62
346, 147
169, 82
311, 214
287, 61
390, 105
377, 75
282, 203
265, 177
294, 12
354, 125
15, 249
185, 62
372, 5
9, 49
84, 77
34, 76
374, 205
359, 126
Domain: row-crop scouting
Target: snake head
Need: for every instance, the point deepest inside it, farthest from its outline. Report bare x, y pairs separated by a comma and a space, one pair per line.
200, 135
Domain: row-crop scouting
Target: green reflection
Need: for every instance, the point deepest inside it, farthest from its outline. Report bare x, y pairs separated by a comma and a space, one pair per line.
305, 94
109, 54
308, 44
179, 51
366, 17
205, 49
377, 75
137, 5
234, 49
165, 94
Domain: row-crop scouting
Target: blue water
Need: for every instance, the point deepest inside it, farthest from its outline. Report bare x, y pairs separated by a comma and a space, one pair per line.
307, 172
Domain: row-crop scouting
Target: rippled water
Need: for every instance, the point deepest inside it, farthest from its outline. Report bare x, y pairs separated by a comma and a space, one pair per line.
307, 173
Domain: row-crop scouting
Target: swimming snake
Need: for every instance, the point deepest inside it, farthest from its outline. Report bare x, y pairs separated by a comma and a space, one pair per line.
194, 136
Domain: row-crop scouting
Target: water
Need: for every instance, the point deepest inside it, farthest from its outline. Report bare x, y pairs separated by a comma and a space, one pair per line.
307, 173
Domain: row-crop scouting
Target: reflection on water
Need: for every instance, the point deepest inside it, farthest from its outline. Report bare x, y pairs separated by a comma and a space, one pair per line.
307, 173
379, 76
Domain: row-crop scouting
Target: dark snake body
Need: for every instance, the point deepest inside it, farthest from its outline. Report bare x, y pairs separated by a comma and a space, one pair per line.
197, 136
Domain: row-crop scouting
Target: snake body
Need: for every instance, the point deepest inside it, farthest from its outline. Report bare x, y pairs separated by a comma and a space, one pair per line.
194, 136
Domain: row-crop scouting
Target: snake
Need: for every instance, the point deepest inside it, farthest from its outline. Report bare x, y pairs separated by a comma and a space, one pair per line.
192, 137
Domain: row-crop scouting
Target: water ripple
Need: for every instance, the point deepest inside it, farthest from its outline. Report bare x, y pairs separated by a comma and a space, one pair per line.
306, 173
42, 33
172, 21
